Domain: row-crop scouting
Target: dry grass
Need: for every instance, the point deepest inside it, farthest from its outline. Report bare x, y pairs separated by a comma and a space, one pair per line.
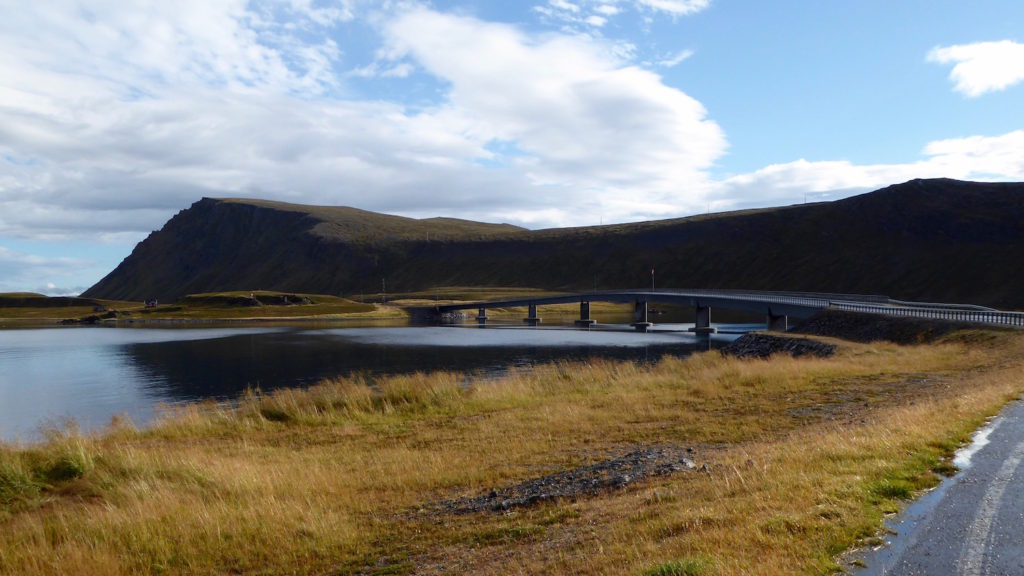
804, 457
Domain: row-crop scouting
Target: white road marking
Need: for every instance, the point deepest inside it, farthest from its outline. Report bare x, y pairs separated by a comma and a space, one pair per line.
972, 557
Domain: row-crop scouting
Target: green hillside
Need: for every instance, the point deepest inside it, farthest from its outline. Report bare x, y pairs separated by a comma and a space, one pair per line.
940, 240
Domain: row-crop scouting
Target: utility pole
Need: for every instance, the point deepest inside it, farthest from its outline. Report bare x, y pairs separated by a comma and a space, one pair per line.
383, 292
652, 278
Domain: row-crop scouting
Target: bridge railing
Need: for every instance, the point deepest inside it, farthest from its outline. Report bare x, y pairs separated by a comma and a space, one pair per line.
996, 317
873, 304
939, 305
791, 298
814, 296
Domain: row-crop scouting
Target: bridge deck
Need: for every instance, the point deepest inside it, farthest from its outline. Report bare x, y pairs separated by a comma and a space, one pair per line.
795, 304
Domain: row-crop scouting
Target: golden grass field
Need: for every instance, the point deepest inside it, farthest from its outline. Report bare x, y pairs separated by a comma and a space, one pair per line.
804, 457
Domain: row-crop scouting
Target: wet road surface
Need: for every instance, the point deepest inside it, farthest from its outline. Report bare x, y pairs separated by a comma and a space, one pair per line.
973, 524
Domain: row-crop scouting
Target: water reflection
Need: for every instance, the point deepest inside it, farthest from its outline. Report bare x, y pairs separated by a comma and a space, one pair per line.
92, 374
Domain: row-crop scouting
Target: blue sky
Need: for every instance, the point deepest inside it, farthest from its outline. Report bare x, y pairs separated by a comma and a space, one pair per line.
114, 116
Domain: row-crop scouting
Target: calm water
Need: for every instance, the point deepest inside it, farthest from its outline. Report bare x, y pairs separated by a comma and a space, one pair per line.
88, 375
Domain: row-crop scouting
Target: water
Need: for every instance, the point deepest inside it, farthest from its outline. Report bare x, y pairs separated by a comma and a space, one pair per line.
88, 375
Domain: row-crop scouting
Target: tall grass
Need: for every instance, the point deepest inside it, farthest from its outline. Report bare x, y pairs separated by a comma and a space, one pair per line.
804, 457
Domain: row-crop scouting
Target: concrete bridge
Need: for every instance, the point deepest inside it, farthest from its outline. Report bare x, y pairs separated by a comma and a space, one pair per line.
777, 307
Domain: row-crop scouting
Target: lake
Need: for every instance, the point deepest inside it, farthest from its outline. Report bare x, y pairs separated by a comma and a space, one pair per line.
89, 374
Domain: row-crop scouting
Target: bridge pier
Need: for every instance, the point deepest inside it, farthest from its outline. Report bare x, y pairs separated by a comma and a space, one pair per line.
531, 317
703, 343
640, 321
585, 319
481, 317
702, 323
777, 322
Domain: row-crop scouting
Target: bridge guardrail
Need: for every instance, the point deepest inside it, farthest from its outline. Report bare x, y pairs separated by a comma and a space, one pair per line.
875, 298
996, 317
939, 305
795, 299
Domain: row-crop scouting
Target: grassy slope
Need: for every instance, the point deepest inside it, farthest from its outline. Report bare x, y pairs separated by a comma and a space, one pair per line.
804, 456
365, 227
39, 309
936, 240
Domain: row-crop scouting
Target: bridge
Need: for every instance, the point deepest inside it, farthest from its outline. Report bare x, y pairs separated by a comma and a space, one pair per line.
777, 307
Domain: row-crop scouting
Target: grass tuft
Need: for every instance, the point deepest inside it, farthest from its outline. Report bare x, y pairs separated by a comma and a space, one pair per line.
17, 485
684, 567
73, 461
892, 489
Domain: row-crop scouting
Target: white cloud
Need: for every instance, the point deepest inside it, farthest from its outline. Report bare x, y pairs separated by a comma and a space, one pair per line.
674, 60
983, 66
341, 11
596, 13
971, 158
592, 126
564, 5
675, 7
376, 70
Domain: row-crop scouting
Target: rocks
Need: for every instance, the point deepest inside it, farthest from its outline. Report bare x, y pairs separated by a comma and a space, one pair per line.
757, 345
861, 327
88, 321
94, 319
586, 480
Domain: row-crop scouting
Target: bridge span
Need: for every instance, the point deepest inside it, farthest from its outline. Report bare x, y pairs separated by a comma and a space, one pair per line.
777, 307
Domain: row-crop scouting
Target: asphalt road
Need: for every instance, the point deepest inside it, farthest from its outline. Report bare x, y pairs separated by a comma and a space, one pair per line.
973, 524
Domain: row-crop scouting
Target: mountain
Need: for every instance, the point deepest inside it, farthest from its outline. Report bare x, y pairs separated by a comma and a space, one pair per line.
930, 240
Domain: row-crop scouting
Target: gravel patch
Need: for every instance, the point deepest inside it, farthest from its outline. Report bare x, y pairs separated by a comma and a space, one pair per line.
583, 481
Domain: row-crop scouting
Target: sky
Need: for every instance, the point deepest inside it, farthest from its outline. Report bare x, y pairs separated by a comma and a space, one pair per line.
115, 116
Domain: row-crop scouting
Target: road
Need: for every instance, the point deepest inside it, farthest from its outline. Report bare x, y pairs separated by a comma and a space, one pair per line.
973, 524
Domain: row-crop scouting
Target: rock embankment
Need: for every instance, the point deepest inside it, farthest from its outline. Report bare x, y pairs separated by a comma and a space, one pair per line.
586, 480
757, 345
860, 327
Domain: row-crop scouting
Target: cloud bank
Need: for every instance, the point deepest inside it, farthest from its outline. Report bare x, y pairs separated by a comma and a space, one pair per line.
20, 272
971, 158
113, 119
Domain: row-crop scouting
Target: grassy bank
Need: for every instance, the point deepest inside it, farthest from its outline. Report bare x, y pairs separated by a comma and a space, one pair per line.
16, 310
802, 459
